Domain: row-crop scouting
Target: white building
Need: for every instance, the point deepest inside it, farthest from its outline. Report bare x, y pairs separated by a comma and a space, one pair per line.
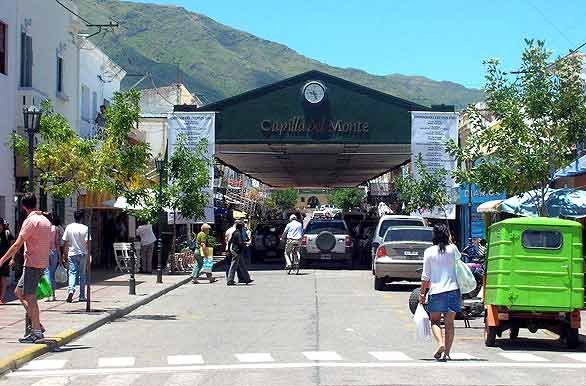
8, 113
99, 79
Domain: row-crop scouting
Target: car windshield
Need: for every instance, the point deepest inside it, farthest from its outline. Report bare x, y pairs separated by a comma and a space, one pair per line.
409, 235
397, 223
336, 227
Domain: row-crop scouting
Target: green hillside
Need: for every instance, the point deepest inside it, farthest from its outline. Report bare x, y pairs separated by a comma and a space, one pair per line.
217, 61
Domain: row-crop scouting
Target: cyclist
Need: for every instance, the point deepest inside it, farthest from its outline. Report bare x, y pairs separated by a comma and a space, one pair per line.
293, 233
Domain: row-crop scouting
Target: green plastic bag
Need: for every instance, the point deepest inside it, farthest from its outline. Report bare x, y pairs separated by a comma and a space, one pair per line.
44, 289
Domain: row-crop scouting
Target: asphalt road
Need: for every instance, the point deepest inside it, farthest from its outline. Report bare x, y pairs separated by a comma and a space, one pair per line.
324, 327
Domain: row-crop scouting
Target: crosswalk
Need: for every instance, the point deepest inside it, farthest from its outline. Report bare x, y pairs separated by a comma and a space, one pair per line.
304, 357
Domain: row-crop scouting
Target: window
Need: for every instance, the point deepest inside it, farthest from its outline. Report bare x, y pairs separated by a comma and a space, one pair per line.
85, 103
336, 227
542, 239
404, 234
59, 75
26, 60
94, 105
3, 54
397, 223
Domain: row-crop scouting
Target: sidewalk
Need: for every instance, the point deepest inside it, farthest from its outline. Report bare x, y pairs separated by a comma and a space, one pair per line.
66, 321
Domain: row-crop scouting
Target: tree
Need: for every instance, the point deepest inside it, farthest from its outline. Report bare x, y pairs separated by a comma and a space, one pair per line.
541, 118
347, 198
423, 192
283, 199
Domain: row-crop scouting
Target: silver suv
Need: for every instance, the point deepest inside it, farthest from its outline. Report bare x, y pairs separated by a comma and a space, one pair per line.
327, 240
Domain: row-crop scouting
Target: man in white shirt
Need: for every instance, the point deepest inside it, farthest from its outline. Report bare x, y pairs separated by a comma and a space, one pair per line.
293, 233
147, 245
76, 247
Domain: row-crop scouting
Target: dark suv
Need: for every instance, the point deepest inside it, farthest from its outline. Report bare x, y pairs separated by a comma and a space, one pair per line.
266, 240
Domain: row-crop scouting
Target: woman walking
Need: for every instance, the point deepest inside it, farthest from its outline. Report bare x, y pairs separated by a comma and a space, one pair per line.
54, 255
439, 276
201, 252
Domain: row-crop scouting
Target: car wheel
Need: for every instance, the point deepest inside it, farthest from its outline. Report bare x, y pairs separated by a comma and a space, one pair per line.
379, 283
572, 337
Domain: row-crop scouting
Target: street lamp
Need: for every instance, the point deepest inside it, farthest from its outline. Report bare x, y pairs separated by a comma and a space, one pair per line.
32, 120
160, 163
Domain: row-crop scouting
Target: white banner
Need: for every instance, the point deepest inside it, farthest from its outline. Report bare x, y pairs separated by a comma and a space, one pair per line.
195, 127
430, 132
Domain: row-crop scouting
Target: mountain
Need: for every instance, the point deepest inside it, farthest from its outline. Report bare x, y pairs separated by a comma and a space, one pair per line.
217, 61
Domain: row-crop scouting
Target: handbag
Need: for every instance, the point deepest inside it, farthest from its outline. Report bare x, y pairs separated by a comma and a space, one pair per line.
44, 289
208, 265
464, 276
61, 275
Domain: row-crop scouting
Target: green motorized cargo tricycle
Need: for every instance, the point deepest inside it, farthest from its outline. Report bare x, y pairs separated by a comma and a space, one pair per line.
534, 278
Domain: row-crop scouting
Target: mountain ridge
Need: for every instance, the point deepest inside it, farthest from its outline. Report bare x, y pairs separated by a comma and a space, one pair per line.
217, 61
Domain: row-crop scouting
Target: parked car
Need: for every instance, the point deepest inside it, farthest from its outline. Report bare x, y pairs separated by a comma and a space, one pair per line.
400, 256
266, 240
385, 222
327, 240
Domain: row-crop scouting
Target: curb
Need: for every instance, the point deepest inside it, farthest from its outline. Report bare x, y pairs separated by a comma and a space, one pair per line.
16, 360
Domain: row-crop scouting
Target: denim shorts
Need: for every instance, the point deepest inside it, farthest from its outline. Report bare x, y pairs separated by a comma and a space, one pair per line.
450, 301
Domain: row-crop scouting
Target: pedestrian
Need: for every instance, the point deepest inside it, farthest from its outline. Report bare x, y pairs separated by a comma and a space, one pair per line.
201, 252
54, 256
6, 240
228, 261
147, 245
100, 122
35, 234
76, 248
236, 246
293, 234
248, 241
439, 277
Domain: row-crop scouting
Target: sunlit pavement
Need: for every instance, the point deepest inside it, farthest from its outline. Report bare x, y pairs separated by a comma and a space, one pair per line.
322, 327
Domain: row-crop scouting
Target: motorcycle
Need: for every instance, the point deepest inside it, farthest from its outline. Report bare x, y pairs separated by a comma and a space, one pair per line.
471, 303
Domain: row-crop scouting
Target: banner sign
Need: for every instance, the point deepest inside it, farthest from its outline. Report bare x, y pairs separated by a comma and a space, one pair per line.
430, 132
194, 126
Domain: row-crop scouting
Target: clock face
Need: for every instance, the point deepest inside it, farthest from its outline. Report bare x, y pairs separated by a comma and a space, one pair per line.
314, 92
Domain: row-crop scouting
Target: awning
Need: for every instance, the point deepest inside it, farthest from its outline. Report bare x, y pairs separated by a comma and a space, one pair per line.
558, 202
575, 168
491, 206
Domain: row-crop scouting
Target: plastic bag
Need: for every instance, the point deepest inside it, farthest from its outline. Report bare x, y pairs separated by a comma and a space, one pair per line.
208, 265
422, 324
464, 276
44, 289
61, 275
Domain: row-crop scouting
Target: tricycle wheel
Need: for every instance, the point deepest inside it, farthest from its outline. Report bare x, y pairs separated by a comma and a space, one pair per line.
489, 335
514, 333
414, 300
572, 337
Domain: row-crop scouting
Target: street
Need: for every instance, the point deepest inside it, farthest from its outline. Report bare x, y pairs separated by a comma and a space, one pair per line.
323, 327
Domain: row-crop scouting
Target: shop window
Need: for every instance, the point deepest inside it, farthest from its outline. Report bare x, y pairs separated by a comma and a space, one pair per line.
85, 103
59, 75
3, 49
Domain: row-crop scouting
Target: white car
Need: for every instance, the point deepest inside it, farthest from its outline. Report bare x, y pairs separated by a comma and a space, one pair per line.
385, 222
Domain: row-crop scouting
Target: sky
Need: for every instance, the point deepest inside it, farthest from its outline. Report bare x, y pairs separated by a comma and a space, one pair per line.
442, 40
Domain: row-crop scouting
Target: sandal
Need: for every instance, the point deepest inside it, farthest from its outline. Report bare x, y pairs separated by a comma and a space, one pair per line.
438, 353
446, 357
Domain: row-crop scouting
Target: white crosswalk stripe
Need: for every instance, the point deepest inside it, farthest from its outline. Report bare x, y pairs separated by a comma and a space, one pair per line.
523, 357
186, 379
462, 356
61, 381
390, 356
581, 357
45, 364
185, 360
116, 362
322, 355
254, 358
119, 380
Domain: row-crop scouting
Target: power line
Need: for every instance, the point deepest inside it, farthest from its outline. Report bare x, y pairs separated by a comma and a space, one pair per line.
550, 22
72, 12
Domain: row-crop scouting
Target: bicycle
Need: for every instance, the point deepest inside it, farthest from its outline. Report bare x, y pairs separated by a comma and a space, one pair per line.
296, 259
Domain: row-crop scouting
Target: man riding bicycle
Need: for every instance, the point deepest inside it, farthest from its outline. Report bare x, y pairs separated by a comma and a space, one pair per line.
293, 233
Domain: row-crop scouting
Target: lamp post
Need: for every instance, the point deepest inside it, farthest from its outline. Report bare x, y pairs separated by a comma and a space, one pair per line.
160, 163
32, 120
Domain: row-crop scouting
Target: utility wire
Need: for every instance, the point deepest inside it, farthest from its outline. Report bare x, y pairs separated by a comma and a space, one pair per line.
550, 22
72, 12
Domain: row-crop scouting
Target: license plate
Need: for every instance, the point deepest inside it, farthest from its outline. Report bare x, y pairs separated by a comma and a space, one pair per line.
410, 253
325, 257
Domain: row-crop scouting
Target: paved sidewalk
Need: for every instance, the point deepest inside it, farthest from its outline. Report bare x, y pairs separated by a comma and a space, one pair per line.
66, 321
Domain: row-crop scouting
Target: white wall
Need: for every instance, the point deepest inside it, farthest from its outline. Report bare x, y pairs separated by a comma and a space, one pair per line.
8, 111
102, 77
54, 33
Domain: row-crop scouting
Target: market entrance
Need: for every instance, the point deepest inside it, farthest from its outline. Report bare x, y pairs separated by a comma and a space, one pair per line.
312, 130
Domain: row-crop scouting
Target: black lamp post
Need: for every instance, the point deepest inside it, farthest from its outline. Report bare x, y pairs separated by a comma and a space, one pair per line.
32, 120
160, 163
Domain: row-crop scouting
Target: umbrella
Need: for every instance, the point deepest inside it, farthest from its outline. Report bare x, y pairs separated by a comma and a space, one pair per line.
564, 202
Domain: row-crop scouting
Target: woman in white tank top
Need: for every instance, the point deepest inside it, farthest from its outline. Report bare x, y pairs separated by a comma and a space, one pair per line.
439, 276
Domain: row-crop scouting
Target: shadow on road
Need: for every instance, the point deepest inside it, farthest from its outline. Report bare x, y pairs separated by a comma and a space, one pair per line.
535, 344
